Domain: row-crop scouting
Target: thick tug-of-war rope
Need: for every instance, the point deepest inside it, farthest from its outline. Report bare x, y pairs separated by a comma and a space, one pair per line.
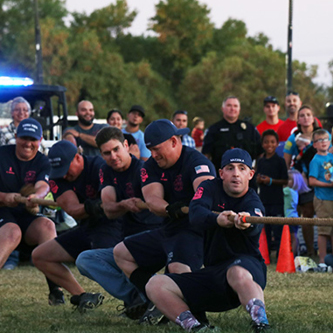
42, 202
270, 219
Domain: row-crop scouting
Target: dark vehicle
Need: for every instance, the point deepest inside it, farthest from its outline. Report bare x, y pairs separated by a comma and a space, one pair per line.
48, 106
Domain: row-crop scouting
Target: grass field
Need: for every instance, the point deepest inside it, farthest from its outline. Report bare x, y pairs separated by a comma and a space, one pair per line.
299, 303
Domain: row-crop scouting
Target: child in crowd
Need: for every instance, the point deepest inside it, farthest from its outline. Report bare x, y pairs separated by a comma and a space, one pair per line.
306, 153
272, 175
296, 186
320, 177
198, 132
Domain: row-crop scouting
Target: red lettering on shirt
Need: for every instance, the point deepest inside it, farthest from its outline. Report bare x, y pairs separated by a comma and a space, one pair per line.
129, 190
198, 193
143, 174
53, 186
178, 183
10, 171
30, 177
90, 191
101, 176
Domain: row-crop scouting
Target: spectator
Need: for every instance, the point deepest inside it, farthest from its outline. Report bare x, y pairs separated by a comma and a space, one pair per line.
272, 175
198, 132
74, 184
296, 186
179, 118
115, 118
20, 226
230, 132
235, 272
292, 105
20, 110
321, 179
272, 121
306, 125
85, 131
134, 119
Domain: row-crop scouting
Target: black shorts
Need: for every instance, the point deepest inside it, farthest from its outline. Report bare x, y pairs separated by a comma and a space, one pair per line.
23, 219
84, 237
208, 289
18, 216
306, 197
155, 250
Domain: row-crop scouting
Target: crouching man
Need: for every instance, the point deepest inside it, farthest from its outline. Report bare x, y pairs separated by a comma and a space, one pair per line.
235, 272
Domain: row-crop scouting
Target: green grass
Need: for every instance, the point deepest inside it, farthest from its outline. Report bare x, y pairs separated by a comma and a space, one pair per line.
296, 303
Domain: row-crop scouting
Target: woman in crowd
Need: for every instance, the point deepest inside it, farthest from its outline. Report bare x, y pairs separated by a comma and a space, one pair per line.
115, 118
306, 124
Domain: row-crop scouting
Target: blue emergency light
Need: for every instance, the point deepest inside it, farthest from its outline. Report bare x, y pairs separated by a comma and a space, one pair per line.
15, 81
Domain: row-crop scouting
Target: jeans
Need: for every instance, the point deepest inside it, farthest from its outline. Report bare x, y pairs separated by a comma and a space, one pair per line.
99, 265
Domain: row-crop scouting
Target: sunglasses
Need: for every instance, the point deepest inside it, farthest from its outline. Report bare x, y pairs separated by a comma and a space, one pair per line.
180, 112
292, 93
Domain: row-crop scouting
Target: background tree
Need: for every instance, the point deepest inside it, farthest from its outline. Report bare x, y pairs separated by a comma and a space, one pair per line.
183, 29
189, 64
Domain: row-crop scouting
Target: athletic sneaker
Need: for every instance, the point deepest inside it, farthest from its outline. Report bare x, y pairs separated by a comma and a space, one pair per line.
56, 297
257, 328
135, 310
87, 301
153, 316
204, 328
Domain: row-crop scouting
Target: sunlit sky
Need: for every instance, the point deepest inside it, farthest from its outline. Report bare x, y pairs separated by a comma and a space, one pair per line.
312, 23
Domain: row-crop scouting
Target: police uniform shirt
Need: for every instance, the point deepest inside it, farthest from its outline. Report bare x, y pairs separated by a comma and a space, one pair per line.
86, 186
178, 180
222, 244
127, 185
14, 173
222, 136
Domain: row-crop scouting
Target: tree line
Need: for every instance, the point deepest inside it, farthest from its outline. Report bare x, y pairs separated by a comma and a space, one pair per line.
188, 64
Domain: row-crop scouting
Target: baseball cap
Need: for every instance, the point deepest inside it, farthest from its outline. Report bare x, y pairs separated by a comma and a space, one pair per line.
30, 127
61, 156
236, 155
271, 99
137, 108
161, 130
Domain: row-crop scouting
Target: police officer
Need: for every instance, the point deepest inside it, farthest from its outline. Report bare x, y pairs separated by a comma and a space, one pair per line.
230, 132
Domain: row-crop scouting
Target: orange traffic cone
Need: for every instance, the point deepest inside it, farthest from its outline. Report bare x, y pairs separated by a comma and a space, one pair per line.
263, 247
285, 263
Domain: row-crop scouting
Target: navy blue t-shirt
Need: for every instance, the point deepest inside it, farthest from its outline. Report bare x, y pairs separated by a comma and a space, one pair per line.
223, 244
86, 186
14, 173
127, 185
276, 168
178, 180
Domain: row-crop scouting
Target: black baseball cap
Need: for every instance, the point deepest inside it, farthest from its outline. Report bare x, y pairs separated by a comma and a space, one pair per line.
61, 156
271, 99
31, 128
161, 130
138, 108
236, 155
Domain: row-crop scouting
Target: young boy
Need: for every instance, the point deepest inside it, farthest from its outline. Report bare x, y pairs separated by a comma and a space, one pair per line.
320, 179
272, 175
